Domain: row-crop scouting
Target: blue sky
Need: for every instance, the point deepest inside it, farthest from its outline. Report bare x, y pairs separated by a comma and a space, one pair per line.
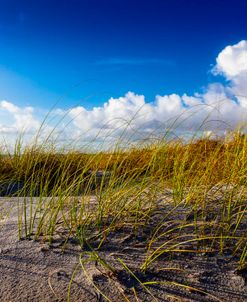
105, 64
83, 52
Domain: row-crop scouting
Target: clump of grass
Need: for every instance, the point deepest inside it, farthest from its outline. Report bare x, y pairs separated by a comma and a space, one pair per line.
93, 195
190, 169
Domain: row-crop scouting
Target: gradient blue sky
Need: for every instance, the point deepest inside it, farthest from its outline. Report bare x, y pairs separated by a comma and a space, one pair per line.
87, 51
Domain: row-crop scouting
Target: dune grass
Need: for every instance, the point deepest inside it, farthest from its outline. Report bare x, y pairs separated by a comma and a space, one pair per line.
94, 195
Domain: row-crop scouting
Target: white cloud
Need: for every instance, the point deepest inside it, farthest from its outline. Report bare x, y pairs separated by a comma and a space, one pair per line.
18, 119
232, 63
232, 60
221, 106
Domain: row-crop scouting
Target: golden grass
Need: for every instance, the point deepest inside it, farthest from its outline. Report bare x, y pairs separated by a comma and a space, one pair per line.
203, 174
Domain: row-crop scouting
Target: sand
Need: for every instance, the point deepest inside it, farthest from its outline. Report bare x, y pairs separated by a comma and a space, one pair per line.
33, 271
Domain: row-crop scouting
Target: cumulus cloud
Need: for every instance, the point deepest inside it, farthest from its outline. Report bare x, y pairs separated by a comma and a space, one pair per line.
225, 105
218, 107
19, 119
232, 63
232, 60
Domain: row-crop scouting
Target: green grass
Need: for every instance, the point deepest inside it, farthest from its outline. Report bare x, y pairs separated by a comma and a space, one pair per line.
205, 176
